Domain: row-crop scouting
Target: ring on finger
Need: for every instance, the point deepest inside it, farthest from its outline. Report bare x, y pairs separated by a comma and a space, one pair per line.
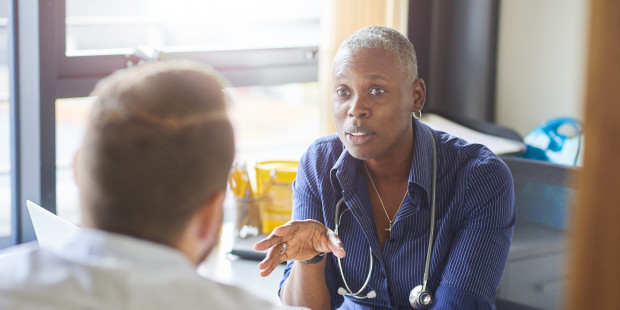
284, 247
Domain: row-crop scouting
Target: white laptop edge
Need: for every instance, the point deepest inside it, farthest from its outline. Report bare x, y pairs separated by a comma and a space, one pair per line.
50, 229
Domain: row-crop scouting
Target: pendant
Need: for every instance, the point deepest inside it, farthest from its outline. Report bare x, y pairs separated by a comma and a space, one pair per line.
389, 228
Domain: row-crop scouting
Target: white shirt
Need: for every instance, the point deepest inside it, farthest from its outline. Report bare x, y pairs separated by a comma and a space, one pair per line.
99, 270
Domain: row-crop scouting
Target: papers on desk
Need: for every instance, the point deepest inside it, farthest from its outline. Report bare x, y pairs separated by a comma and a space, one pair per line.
498, 145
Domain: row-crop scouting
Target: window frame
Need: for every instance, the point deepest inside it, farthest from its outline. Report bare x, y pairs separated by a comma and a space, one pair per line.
41, 73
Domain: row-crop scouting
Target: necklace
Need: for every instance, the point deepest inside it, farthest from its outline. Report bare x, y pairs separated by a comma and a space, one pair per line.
381, 200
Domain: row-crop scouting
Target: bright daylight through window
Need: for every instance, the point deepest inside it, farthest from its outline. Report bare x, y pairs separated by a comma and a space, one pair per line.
5, 148
270, 121
190, 24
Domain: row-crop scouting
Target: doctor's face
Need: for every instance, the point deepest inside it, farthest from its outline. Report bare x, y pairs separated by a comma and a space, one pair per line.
372, 100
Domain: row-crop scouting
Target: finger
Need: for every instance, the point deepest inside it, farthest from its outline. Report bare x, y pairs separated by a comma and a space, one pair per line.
268, 271
286, 229
278, 235
272, 257
267, 267
283, 257
335, 244
271, 261
267, 243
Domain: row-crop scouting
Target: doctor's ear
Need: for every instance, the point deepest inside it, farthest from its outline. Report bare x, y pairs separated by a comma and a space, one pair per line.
419, 94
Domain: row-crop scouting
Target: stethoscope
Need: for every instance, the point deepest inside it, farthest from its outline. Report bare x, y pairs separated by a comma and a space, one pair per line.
420, 297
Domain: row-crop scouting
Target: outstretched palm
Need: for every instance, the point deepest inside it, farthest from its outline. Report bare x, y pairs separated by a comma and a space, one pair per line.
304, 240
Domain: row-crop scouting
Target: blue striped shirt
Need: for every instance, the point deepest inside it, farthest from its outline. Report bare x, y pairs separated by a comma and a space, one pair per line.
475, 217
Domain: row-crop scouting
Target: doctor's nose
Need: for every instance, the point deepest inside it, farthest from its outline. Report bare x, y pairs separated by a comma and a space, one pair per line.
358, 108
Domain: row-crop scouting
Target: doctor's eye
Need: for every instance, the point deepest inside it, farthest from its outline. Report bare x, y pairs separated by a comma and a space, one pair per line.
343, 92
377, 91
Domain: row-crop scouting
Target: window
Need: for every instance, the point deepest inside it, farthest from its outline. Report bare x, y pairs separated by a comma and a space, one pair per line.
5, 145
258, 113
275, 122
250, 42
107, 25
266, 49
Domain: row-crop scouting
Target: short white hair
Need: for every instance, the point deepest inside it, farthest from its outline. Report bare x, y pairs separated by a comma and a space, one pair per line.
388, 39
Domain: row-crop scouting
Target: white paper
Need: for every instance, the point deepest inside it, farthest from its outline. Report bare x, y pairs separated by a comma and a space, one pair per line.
496, 144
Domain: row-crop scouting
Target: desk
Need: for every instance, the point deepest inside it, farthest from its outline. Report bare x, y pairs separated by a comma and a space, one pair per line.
499, 145
230, 269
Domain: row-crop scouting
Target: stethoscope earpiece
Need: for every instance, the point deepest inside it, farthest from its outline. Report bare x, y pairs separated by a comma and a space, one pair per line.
342, 291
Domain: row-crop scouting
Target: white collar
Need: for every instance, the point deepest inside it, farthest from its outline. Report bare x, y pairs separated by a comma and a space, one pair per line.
106, 247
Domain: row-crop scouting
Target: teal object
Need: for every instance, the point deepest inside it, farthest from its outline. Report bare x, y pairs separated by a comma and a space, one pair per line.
557, 140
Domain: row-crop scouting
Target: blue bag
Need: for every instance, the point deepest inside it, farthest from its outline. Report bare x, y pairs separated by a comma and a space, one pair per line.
558, 140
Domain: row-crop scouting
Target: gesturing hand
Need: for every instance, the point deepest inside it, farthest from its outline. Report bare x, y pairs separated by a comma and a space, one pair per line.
304, 240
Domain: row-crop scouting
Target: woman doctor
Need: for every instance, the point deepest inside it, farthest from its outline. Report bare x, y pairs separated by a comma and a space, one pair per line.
380, 170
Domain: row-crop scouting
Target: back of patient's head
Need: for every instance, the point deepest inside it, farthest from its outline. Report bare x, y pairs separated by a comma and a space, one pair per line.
157, 147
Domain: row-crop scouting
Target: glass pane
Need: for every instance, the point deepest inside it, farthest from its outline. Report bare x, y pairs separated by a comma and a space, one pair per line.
5, 146
275, 122
270, 122
190, 24
71, 118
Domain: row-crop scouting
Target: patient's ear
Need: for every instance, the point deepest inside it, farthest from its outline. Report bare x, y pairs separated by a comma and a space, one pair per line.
211, 215
75, 166
203, 230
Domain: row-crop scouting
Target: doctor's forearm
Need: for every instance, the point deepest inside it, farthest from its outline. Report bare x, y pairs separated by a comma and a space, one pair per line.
306, 286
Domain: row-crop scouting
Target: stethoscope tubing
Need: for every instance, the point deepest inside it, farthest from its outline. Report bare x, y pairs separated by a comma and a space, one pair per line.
350, 292
429, 251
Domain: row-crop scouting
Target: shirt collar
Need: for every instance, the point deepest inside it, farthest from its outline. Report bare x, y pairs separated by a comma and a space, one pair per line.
421, 172
105, 247
346, 164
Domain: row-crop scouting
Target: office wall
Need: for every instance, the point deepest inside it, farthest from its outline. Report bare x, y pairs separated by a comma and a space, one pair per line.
540, 61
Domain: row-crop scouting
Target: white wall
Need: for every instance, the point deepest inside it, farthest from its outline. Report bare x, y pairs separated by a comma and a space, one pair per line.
541, 61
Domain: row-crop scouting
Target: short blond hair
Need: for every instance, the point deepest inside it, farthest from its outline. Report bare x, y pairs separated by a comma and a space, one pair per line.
158, 145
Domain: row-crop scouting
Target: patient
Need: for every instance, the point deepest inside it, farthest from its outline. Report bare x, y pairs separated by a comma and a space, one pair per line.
152, 174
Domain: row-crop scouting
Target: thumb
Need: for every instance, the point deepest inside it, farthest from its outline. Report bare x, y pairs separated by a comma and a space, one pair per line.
335, 244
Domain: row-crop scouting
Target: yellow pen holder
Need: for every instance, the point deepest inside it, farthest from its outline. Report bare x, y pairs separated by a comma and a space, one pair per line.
275, 180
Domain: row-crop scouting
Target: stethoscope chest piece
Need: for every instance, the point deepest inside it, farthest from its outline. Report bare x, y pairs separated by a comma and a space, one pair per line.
419, 298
